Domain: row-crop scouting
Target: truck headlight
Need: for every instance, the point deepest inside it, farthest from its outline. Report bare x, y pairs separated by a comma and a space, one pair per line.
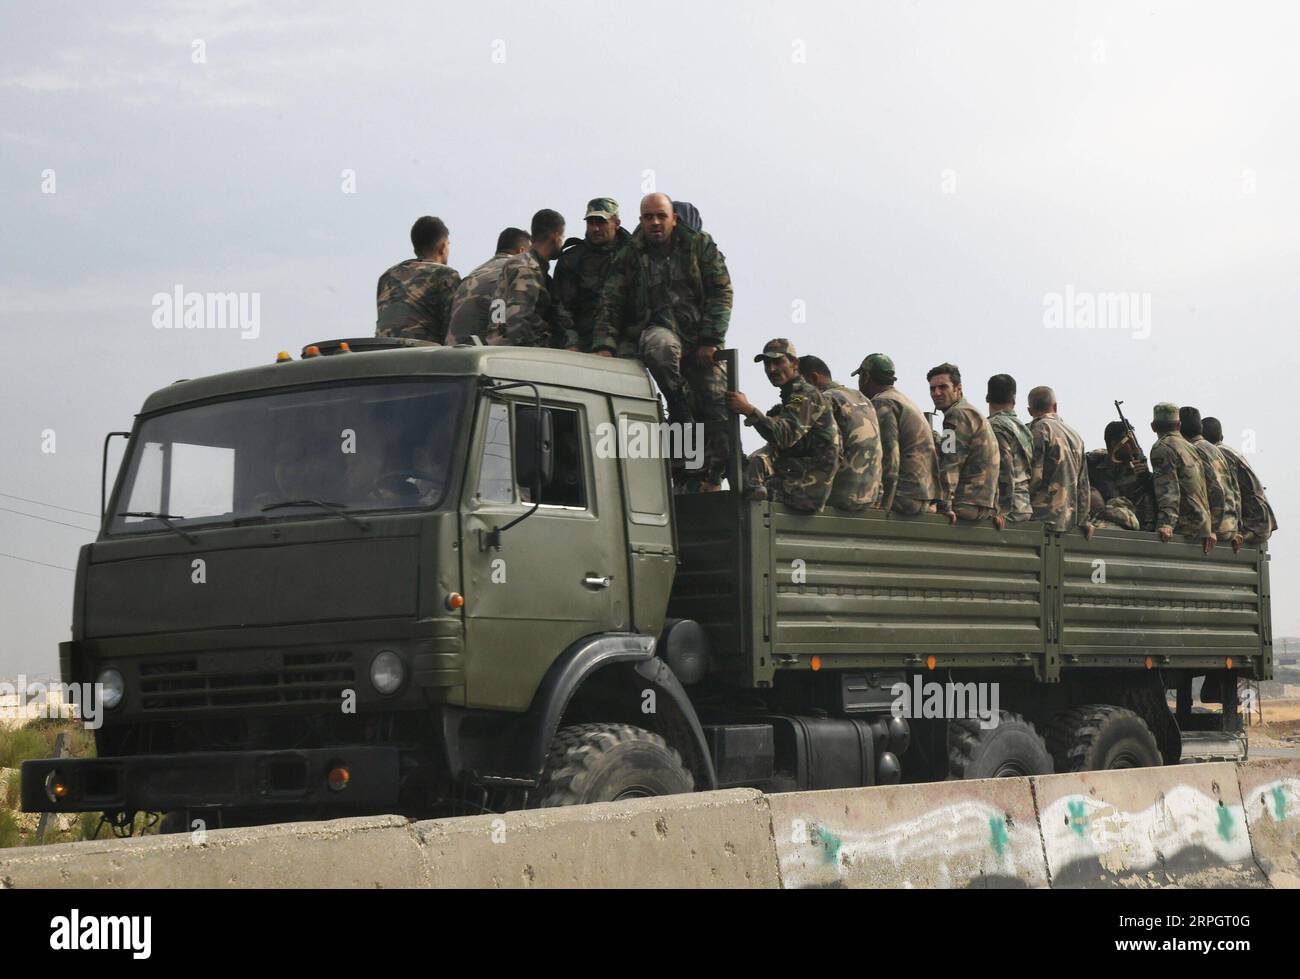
387, 672
112, 687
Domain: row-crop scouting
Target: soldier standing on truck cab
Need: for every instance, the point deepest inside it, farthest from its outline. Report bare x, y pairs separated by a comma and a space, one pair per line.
1257, 519
1182, 506
1058, 480
1220, 483
797, 467
532, 316
1015, 449
471, 309
583, 266
414, 297
909, 466
967, 449
857, 481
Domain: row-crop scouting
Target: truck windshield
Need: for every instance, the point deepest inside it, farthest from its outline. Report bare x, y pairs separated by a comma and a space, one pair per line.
303, 453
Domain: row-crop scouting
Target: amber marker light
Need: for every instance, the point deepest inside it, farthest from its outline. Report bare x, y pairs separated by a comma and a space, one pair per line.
338, 778
455, 600
1149, 662
312, 351
816, 663
344, 348
55, 787
283, 356
1228, 662
930, 661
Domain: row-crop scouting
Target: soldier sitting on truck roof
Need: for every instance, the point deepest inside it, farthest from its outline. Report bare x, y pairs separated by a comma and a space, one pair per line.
414, 297
1182, 505
472, 309
967, 449
909, 466
1257, 519
798, 465
857, 481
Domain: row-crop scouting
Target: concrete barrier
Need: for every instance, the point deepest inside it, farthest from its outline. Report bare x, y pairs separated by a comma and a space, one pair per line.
1270, 791
946, 834
1154, 827
713, 839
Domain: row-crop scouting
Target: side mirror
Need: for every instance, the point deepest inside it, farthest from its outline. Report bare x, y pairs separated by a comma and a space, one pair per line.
534, 447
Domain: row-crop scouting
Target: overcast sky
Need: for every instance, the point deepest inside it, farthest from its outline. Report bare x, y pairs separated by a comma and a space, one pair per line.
919, 178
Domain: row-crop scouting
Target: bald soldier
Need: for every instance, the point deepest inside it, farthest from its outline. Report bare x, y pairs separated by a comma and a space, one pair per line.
667, 299
909, 465
1220, 482
1058, 479
797, 466
857, 480
968, 452
1015, 449
1257, 519
1182, 505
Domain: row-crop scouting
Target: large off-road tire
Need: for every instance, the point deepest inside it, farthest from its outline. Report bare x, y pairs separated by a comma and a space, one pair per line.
606, 762
1097, 737
1011, 749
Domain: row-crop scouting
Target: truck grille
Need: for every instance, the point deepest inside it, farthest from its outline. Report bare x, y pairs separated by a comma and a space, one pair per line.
177, 683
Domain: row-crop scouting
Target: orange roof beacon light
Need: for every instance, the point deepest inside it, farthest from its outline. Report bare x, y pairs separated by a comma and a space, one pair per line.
344, 348
312, 351
816, 663
283, 356
930, 661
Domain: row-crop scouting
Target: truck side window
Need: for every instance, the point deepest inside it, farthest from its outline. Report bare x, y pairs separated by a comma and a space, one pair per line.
568, 485
496, 481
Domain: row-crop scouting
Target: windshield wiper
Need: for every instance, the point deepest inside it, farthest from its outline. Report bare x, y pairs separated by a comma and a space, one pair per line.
334, 508
165, 519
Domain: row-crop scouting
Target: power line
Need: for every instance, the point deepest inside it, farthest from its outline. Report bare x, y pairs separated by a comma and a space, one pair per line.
52, 506
28, 560
87, 530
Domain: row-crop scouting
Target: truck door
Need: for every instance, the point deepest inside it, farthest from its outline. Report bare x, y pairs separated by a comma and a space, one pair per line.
560, 573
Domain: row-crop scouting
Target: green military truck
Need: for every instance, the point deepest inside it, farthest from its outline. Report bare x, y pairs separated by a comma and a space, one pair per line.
417, 579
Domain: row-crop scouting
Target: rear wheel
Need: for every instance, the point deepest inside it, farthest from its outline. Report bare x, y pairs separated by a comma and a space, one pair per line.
1097, 737
610, 762
1011, 749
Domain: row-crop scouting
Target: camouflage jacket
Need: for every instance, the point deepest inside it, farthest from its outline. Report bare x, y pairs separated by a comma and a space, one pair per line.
1117, 514
532, 317
1256, 515
1058, 477
471, 308
1016, 455
580, 274
688, 290
1220, 488
414, 300
1181, 500
800, 430
857, 481
968, 458
1118, 479
909, 464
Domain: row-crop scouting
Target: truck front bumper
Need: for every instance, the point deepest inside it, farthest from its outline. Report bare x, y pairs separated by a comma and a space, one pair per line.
218, 779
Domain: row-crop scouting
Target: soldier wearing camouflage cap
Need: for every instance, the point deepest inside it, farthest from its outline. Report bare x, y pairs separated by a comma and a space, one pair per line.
797, 467
584, 265
1182, 504
857, 481
414, 297
909, 464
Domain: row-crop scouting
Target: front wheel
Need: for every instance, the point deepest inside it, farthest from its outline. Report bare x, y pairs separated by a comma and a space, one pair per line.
610, 762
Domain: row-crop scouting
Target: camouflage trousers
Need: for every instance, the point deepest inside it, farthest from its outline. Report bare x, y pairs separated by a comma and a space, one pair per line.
973, 512
798, 483
673, 366
909, 507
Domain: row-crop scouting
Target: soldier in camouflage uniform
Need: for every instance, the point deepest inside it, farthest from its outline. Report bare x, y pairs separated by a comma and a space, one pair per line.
909, 471
531, 315
414, 297
968, 452
1058, 478
1257, 519
1220, 480
798, 466
584, 265
667, 300
1113, 514
1182, 505
1015, 449
1118, 470
471, 309
857, 480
